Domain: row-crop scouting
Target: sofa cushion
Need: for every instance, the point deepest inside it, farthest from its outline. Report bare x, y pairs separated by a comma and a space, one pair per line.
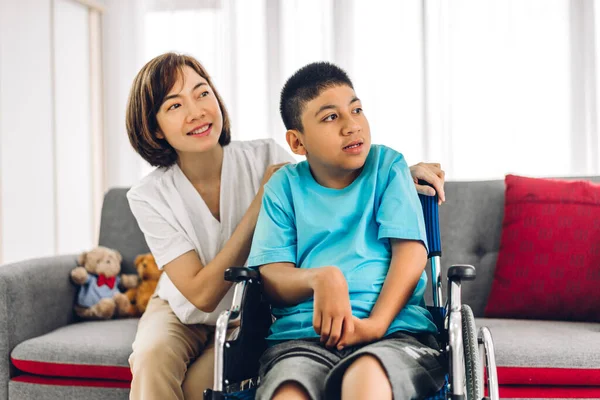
50, 389
95, 349
549, 261
531, 352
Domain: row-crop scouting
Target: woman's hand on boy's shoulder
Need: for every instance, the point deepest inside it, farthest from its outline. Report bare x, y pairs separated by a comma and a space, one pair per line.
431, 173
365, 331
271, 169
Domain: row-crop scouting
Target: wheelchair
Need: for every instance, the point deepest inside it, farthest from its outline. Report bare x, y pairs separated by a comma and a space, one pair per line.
469, 352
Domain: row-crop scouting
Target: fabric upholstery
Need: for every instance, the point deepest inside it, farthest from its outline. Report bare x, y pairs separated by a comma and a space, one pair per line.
84, 346
36, 297
549, 262
119, 230
544, 344
527, 392
52, 391
470, 225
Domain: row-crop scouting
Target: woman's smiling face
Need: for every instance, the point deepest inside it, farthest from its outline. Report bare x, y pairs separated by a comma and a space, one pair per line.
190, 118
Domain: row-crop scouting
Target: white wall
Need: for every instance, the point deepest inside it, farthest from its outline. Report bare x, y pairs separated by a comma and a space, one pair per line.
27, 197
48, 151
72, 94
46, 163
122, 59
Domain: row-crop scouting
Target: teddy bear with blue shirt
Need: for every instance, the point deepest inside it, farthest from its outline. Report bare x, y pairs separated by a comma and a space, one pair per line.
98, 275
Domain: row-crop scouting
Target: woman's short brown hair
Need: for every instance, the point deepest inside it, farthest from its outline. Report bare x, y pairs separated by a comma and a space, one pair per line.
150, 87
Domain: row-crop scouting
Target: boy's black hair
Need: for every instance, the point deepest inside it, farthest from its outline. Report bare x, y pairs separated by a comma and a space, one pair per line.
305, 85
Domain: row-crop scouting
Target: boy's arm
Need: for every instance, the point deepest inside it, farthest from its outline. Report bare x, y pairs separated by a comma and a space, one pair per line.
284, 284
274, 249
409, 258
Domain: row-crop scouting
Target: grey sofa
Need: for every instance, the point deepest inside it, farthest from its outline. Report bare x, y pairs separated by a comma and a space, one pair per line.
37, 323
65, 358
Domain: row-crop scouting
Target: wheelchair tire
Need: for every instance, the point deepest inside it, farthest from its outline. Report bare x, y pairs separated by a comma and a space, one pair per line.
473, 374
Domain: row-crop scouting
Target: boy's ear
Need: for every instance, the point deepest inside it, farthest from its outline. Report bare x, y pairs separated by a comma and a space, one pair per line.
294, 140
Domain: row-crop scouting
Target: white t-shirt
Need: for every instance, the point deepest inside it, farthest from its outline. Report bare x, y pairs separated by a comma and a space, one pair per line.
175, 219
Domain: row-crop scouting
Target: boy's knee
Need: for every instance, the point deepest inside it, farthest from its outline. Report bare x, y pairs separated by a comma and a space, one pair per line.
366, 374
366, 366
291, 390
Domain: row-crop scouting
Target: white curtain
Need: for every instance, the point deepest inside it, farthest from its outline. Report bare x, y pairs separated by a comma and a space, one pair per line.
487, 87
498, 87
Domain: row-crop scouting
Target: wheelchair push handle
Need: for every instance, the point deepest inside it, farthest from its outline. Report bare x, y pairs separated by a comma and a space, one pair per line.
432, 222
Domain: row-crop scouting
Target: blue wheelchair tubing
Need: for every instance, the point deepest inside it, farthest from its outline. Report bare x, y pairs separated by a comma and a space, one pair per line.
432, 222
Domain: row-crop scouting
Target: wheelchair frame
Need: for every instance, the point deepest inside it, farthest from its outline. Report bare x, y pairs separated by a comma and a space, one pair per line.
249, 344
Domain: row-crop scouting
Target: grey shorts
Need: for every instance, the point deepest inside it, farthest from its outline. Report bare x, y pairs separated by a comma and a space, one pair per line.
414, 366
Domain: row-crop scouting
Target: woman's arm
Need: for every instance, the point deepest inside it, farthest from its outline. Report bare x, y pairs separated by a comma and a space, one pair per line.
204, 285
431, 173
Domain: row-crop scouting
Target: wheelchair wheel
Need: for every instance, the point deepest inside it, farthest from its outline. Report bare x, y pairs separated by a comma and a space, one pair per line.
473, 373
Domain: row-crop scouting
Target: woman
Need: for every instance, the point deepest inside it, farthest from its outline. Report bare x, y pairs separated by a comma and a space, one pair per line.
197, 212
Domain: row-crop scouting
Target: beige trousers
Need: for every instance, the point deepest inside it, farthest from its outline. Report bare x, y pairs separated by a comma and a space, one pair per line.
170, 360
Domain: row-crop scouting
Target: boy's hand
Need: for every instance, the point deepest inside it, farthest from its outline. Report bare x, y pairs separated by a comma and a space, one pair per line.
365, 331
332, 316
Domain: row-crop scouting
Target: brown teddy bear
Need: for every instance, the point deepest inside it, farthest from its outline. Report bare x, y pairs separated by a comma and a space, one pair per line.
149, 273
99, 296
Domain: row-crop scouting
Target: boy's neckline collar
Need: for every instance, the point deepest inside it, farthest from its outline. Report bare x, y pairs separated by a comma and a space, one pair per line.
358, 178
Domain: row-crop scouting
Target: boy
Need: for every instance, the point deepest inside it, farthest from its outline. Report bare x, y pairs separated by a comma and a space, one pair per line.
340, 243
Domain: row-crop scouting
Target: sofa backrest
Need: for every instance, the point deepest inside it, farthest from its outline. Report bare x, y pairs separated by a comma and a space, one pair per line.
470, 223
119, 229
471, 227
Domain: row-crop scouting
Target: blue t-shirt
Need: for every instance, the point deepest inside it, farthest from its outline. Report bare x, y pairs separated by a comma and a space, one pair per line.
312, 226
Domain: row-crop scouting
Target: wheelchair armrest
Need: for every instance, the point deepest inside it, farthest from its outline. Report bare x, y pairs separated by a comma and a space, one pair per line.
461, 272
240, 355
241, 274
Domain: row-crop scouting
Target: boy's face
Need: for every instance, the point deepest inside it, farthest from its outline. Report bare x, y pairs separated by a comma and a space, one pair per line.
190, 118
336, 138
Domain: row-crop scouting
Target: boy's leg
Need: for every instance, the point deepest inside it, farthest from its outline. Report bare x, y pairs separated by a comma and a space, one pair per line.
366, 379
297, 367
414, 368
291, 391
162, 350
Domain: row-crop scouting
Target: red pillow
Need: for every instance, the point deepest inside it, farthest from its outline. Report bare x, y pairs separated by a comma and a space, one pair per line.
549, 261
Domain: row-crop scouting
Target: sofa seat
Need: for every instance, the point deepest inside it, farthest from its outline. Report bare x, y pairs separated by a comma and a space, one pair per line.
546, 353
84, 350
